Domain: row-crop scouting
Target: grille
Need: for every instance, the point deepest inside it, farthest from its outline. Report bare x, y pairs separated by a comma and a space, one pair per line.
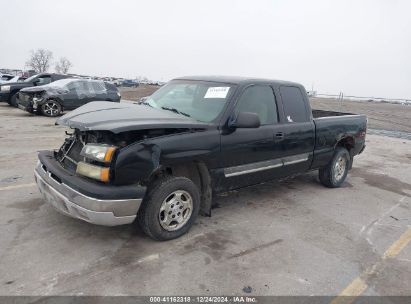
69, 153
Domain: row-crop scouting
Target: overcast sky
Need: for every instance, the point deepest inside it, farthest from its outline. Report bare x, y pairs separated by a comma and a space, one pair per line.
358, 47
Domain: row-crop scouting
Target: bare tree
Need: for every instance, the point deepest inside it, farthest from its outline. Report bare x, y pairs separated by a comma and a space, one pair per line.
40, 60
63, 65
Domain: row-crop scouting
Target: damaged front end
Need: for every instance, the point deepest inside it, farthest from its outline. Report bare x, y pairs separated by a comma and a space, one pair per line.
94, 154
128, 130
30, 102
81, 178
101, 172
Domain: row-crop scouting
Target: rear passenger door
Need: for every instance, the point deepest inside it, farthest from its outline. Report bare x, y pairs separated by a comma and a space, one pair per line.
76, 96
298, 130
98, 91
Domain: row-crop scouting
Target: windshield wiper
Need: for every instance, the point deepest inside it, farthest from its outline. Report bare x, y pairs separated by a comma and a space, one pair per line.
144, 103
175, 111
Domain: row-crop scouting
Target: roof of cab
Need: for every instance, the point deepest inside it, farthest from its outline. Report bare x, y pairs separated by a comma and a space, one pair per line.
236, 80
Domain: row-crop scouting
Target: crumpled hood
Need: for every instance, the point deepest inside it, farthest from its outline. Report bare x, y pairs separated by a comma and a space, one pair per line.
121, 117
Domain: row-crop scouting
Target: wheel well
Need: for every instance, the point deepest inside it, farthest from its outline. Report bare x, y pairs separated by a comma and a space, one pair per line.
198, 173
56, 100
346, 142
13, 93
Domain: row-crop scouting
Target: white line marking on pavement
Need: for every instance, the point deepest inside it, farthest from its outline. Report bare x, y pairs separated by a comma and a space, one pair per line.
149, 258
17, 186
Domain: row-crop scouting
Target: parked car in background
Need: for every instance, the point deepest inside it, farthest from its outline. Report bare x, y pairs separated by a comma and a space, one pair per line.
129, 83
65, 94
118, 81
6, 77
8, 91
161, 162
15, 79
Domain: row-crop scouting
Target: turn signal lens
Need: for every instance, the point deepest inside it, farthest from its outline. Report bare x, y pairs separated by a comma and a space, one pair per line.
94, 172
109, 154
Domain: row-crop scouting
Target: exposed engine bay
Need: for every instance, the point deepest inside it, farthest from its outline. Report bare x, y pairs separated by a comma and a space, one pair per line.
69, 153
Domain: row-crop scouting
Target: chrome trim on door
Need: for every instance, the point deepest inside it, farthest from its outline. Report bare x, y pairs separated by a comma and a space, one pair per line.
290, 160
265, 165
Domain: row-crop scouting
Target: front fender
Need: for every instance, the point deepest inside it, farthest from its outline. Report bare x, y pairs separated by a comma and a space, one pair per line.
136, 162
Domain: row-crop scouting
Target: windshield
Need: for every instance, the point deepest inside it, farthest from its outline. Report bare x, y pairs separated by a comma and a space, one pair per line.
201, 100
6, 77
15, 79
30, 79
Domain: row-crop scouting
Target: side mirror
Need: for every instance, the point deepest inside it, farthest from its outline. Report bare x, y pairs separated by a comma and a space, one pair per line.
245, 120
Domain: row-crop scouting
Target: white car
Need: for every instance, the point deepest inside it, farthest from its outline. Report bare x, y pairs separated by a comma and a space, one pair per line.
6, 78
15, 79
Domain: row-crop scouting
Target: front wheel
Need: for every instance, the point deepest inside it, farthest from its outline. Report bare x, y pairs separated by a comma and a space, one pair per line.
169, 208
51, 108
334, 174
13, 100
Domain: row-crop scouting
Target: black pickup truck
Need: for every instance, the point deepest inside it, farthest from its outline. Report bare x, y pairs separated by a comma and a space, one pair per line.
161, 161
8, 91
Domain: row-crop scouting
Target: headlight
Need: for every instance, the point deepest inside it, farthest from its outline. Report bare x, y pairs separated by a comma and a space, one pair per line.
94, 172
5, 88
98, 152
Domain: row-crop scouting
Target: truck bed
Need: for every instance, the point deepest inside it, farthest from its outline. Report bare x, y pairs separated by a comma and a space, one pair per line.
323, 113
331, 127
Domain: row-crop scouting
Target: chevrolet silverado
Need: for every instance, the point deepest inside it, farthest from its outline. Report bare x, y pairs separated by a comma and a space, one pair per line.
159, 162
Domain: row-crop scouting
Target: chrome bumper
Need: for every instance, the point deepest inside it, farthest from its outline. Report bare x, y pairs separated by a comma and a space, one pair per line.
74, 204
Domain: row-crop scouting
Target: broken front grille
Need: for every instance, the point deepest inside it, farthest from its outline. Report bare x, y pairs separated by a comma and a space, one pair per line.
69, 153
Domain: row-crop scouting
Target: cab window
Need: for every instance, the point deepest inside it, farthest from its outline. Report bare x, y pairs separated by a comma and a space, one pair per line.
259, 99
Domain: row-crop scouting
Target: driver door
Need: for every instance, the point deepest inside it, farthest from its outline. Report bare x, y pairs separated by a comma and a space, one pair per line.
250, 156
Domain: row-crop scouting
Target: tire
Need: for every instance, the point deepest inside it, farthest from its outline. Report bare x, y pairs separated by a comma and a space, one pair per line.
13, 100
335, 173
167, 201
51, 108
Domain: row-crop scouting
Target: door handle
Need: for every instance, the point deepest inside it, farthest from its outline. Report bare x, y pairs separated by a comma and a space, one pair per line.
279, 135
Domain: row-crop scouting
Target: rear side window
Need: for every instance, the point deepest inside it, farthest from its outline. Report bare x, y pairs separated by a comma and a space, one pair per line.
75, 86
97, 87
294, 104
259, 99
110, 87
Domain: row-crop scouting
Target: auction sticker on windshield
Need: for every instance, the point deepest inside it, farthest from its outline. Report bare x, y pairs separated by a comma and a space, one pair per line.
217, 92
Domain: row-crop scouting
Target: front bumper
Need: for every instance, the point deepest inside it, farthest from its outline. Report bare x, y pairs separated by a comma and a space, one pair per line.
25, 105
73, 203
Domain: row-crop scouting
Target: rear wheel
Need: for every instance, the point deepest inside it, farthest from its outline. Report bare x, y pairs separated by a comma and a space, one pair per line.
169, 208
335, 173
51, 108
